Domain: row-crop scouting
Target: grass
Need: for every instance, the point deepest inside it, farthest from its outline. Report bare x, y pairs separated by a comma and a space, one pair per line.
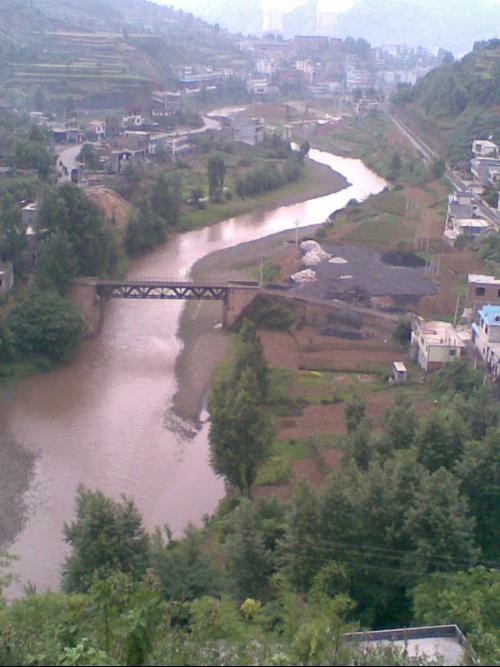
278, 469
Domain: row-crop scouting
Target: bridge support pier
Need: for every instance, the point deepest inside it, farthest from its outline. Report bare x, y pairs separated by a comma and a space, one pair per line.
83, 294
237, 300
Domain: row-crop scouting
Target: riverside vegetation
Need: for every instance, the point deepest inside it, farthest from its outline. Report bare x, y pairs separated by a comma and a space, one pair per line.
402, 532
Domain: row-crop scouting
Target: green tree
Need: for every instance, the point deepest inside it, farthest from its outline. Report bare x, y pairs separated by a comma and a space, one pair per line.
88, 155
300, 556
29, 154
359, 445
354, 413
241, 432
403, 331
45, 323
12, 229
440, 439
395, 166
185, 571
216, 170
457, 376
67, 209
438, 167
400, 425
439, 526
106, 536
251, 355
248, 561
479, 473
468, 598
57, 263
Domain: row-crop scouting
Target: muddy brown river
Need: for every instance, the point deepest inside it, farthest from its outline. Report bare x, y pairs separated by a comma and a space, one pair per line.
106, 421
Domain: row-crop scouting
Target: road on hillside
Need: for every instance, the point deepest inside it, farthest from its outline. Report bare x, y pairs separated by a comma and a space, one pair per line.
429, 155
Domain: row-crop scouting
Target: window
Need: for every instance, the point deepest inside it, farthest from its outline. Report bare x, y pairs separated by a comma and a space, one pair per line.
479, 291
452, 353
498, 293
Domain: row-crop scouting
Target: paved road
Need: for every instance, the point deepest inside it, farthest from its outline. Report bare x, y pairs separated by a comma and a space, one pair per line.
68, 156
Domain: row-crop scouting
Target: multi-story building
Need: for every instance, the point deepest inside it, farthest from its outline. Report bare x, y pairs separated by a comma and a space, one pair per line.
434, 344
486, 337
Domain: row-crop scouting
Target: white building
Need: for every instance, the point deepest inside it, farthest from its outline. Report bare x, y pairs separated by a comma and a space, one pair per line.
486, 337
485, 148
434, 344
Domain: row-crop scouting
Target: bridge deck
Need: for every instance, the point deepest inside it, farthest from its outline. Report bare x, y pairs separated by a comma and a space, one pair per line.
166, 289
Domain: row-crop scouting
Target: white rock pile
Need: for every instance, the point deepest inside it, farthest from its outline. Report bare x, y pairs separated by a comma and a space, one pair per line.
306, 276
314, 253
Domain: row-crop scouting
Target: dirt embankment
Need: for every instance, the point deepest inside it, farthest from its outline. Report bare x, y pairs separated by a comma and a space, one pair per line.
111, 205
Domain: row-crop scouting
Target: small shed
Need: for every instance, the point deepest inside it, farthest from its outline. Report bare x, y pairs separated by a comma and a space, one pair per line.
399, 371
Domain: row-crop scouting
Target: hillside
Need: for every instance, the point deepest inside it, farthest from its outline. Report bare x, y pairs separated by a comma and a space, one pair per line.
102, 52
457, 102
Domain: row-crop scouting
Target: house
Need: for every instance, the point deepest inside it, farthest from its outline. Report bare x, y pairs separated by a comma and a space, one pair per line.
247, 129
133, 121
399, 372
482, 290
461, 218
485, 148
437, 642
6, 278
96, 130
165, 103
486, 337
481, 167
435, 343
257, 86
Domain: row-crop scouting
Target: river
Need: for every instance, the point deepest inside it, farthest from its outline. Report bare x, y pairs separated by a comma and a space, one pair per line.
106, 421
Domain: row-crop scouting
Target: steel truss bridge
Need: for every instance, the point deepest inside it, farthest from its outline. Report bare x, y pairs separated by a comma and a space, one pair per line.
165, 289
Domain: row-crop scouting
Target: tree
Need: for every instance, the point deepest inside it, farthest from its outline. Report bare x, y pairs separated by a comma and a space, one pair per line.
440, 439
57, 263
251, 355
12, 229
215, 170
395, 166
67, 209
479, 473
248, 561
457, 376
403, 331
438, 168
439, 527
185, 571
300, 556
467, 598
241, 432
39, 99
359, 445
106, 536
400, 425
30, 154
354, 413
45, 323
88, 155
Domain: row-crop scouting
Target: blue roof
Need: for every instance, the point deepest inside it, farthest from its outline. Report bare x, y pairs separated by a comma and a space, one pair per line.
490, 314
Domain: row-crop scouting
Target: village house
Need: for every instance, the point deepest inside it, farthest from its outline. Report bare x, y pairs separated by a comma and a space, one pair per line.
247, 129
461, 218
257, 86
96, 130
482, 290
165, 103
435, 343
486, 337
485, 148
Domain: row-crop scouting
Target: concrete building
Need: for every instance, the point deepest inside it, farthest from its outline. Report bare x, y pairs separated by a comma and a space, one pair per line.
461, 218
435, 343
485, 148
482, 290
486, 338
247, 129
481, 168
438, 642
96, 130
165, 103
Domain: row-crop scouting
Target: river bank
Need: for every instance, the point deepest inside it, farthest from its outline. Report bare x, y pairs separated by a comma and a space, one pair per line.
205, 343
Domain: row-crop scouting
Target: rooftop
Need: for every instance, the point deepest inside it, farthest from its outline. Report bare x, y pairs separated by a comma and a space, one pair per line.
480, 278
443, 333
490, 314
